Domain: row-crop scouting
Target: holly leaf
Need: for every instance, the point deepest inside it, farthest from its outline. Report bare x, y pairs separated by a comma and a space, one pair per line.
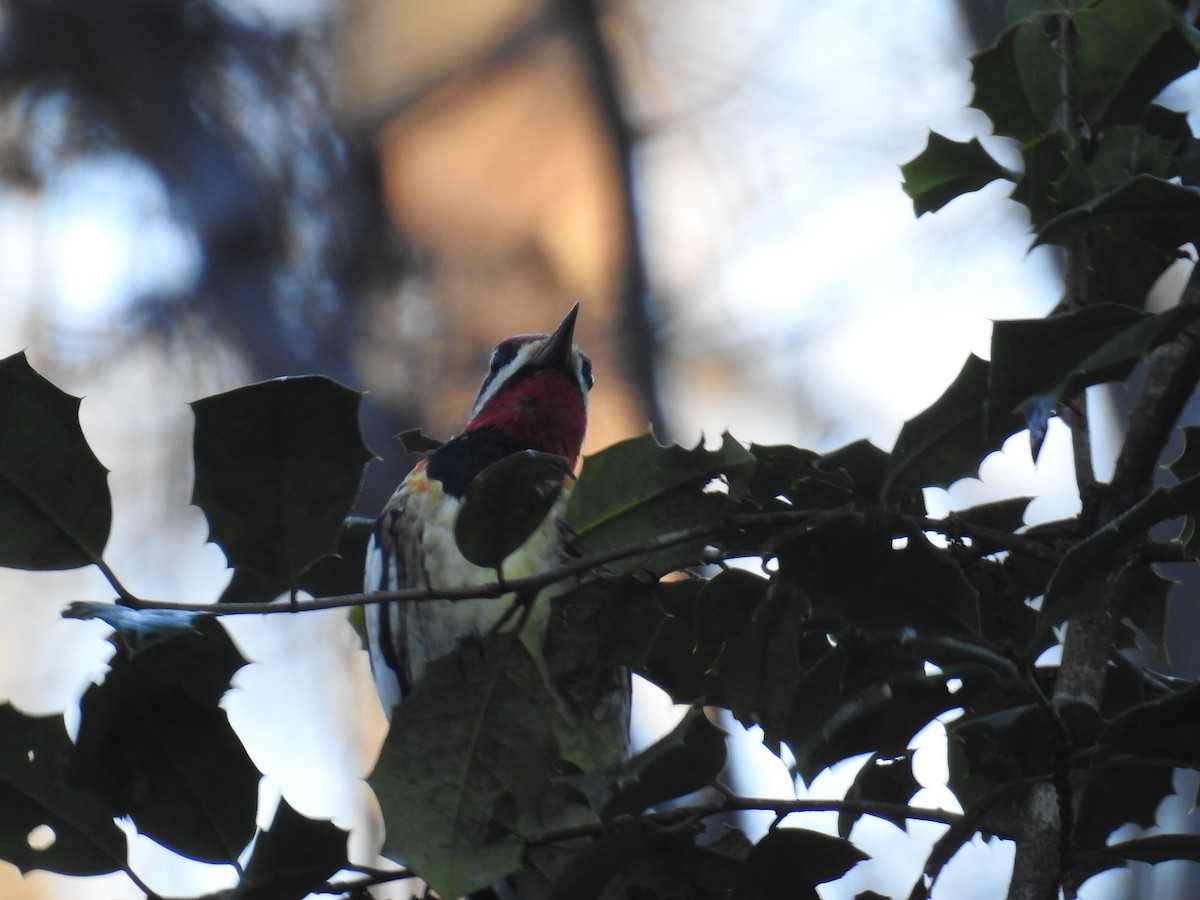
154, 742
471, 744
791, 862
1017, 81
946, 169
638, 489
295, 856
1164, 214
1038, 362
36, 792
685, 760
506, 503
851, 572
1077, 584
278, 465
330, 576
886, 779
1129, 52
950, 439
54, 498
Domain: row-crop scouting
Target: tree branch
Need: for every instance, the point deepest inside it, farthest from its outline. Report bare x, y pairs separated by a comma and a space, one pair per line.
492, 589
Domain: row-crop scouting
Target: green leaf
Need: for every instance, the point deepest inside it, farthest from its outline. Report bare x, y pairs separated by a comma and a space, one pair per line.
1046, 160
472, 741
35, 790
1128, 52
851, 572
950, 439
54, 499
687, 759
1159, 212
639, 489
278, 465
1017, 81
946, 169
155, 743
506, 503
292, 858
791, 862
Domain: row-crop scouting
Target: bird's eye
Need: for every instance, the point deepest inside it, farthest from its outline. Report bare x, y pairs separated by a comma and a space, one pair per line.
503, 355
585, 369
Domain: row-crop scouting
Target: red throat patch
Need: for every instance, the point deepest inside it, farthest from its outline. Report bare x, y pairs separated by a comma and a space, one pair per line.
543, 411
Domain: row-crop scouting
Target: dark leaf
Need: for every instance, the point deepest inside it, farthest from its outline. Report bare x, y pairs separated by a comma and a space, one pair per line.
1129, 52
649, 861
1125, 267
1115, 795
638, 489
950, 439
1187, 464
791, 862
672, 661
1158, 848
1077, 583
155, 743
946, 169
1055, 358
278, 465
1031, 356
882, 779
1046, 160
685, 760
54, 499
472, 741
851, 571
330, 576
292, 858
506, 503
777, 468
882, 716
759, 672
1156, 211
416, 441
1003, 515
35, 791
1166, 728
1018, 81
865, 469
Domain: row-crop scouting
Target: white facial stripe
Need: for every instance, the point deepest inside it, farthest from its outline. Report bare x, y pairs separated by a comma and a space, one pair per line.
526, 352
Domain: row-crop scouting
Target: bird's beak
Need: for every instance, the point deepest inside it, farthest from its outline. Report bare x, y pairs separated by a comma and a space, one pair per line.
556, 353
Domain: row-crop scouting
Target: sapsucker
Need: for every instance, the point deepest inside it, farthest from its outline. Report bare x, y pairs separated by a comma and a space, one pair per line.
533, 398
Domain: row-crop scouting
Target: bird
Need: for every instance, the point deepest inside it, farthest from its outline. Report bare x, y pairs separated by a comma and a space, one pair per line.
534, 397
